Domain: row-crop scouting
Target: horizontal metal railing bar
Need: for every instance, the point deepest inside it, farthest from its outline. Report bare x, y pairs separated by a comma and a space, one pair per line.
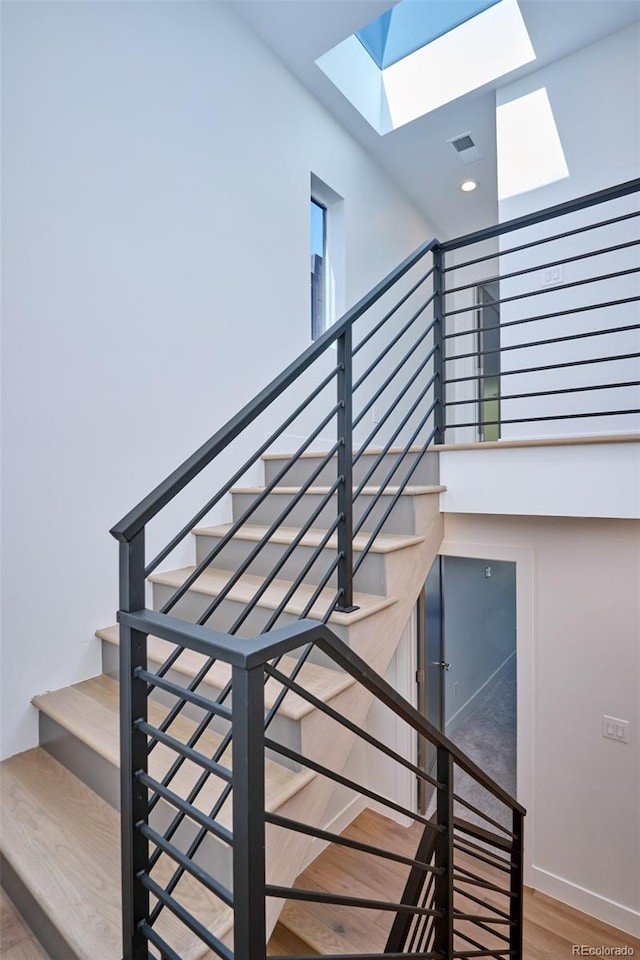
212, 643
481, 950
469, 954
379, 458
267, 646
342, 841
560, 416
166, 952
546, 266
190, 866
187, 752
354, 728
253, 506
290, 550
381, 389
548, 213
150, 505
543, 290
466, 876
320, 896
188, 919
153, 680
481, 813
481, 903
383, 691
474, 943
585, 308
583, 335
548, 393
482, 923
460, 915
547, 366
505, 868
503, 861
536, 243
290, 754
210, 504
481, 833
212, 826
387, 513
300, 579
389, 346
387, 316
277, 523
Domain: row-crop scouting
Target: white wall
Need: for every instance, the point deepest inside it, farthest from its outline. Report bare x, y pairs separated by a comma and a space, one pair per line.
156, 174
595, 99
547, 480
578, 658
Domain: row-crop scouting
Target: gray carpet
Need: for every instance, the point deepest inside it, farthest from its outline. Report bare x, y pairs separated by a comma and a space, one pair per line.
487, 734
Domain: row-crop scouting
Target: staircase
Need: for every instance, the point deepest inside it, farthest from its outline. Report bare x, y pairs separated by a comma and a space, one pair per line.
176, 801
61, 831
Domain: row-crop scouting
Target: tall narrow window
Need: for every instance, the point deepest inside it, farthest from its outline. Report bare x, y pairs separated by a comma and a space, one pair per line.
327, 257
318, 269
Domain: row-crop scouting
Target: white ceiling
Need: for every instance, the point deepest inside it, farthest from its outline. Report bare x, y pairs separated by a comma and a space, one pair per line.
418, 156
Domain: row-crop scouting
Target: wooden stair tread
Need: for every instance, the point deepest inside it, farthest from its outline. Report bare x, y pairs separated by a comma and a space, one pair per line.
409, 491
313, 454
254, 533
213, 580
323, 682
89, 711
64, 843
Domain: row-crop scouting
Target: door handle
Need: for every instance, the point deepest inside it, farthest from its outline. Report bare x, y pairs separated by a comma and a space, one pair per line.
443, 664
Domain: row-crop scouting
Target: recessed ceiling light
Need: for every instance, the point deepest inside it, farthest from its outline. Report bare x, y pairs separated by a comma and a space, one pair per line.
468, 186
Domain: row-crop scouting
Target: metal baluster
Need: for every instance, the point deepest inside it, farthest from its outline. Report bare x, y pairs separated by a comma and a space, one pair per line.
134, 800
249, 940
439, 343
345, 471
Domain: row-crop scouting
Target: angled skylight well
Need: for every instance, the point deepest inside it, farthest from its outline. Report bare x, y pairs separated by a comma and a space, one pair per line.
422, 54
530, 153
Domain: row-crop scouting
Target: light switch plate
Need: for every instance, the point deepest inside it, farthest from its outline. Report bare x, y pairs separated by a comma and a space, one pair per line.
615, 729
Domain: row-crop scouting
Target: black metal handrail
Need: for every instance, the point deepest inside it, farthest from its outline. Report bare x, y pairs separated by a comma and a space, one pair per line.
344, 507
428, 910
140, 515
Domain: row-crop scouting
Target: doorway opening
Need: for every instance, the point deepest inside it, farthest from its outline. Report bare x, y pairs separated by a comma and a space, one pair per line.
467, 669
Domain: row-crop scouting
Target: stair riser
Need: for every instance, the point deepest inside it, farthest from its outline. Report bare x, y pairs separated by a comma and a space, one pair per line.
400, 520
104, 779
283, 729
370, 578
193, 604
47, 933
426, 472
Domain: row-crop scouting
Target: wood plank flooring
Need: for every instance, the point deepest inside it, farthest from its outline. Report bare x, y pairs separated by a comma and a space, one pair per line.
551, 928
16, 940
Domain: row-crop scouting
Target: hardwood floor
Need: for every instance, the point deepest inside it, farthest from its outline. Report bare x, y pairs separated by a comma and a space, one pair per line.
16, 940
551, 928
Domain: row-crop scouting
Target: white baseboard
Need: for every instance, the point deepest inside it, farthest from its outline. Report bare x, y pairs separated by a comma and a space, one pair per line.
462, 711
338, 824
593, 904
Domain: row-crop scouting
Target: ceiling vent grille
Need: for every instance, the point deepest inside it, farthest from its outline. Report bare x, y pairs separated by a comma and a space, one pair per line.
462, 143
465, 148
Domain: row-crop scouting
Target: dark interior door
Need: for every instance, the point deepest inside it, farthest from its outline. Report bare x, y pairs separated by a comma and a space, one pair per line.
430, 672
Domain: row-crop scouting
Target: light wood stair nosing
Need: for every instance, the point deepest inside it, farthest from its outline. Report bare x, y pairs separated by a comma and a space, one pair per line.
293, 706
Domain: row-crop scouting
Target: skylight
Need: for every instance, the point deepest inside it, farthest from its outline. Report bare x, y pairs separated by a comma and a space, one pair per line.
448, 58
414, 23
530, 153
